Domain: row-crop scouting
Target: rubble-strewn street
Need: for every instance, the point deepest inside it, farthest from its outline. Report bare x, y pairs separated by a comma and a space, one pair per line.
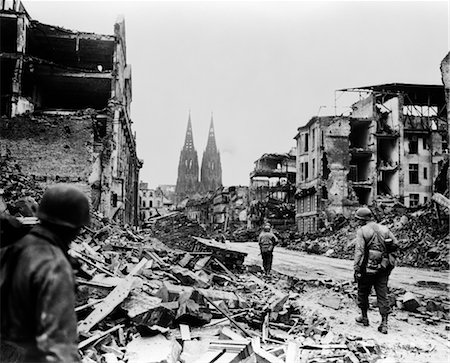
302, 311
304, 228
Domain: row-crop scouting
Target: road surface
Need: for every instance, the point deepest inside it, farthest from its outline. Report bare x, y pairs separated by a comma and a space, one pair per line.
306, 266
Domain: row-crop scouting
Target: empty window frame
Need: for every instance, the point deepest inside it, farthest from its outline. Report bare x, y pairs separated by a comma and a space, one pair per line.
413, 200
413, 173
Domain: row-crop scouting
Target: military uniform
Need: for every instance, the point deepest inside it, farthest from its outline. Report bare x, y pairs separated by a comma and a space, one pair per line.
267, 241
38, 322
365, 241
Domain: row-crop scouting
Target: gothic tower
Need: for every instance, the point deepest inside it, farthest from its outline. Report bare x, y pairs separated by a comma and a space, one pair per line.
187, 181
211, 172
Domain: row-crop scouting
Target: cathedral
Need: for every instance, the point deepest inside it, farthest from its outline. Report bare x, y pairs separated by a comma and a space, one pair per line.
188, 181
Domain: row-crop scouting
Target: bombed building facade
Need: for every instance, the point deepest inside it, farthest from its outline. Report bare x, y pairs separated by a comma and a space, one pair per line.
390, 148
65, 110
188, 182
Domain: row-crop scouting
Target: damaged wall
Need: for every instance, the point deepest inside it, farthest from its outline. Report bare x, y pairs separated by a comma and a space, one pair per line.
51, 149
336, 146
83, 80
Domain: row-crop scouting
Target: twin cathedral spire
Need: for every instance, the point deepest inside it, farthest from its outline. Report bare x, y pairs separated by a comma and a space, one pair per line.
188, 182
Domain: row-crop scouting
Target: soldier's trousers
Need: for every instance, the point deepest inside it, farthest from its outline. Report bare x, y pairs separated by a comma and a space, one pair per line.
379, 282
267, 258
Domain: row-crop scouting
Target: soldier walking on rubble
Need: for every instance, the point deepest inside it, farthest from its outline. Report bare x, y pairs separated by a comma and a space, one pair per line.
373, 262
267, 241
38, 322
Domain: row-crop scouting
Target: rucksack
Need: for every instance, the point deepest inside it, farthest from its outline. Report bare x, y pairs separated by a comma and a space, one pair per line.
378, 257
11, 229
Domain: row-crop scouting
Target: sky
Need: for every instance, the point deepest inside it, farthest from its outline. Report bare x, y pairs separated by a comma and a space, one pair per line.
262, 68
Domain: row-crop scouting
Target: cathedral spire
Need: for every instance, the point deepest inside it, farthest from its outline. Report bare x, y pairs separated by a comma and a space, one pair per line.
187, 180
189, 139
211, 170
211, 144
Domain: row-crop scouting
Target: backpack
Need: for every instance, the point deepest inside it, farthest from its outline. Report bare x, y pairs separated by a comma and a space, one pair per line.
12, 229
378, 253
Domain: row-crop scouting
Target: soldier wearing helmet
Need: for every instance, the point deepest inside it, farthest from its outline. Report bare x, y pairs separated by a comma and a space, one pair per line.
267, 241
374, 243
37, 286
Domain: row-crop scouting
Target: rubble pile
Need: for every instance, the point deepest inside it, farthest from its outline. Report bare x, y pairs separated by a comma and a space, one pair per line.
15, 186
176, 230
423, 240
138, 298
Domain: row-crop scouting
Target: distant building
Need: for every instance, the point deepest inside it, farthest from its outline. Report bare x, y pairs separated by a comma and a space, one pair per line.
188, 183
390, 148
273, 177
152, 202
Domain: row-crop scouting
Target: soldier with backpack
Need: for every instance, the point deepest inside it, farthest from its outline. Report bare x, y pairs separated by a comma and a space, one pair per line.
373, 262
38, 322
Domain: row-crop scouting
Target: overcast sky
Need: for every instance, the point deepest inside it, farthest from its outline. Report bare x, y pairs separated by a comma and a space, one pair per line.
262, 68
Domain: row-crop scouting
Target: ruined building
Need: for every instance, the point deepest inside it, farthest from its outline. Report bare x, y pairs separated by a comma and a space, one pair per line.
65, 109
272, 190
390, 148
211, 171
188, 184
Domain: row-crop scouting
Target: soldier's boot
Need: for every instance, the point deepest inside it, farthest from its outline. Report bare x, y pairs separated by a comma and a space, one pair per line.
363, 319
383, 328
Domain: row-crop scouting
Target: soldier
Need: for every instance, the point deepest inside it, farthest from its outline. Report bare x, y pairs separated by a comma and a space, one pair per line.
267, 241
372, 265
38, 322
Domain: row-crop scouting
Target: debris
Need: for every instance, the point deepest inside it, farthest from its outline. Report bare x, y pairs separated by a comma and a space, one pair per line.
152, 350
331, 301
410, 302
113, 299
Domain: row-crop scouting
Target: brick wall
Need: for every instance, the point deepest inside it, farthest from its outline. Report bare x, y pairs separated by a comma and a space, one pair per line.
51, 148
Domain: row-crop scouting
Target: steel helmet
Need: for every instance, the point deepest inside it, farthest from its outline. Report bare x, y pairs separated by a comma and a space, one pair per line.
364, 214
267, 227
64, 205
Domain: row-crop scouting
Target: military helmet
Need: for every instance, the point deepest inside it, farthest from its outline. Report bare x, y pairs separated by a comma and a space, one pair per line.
64, 205
267, 227
363, 214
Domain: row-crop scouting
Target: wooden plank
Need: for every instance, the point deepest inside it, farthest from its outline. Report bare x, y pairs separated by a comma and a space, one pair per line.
98, 336
210, 357
324, 346
185, 332
228, 316
221, 321
92, 263
94, 284
227, 333
227, 271
85, 306
114, 298
265, 328
292, 355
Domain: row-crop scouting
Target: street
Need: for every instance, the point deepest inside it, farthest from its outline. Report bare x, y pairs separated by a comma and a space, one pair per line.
306, 266
409, 339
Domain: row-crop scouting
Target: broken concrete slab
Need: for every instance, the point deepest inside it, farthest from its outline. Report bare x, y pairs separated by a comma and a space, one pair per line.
139, 302
157, 349
175, 290
332, 301
193, 310
159, 316
187, 277
410, 302
193, 349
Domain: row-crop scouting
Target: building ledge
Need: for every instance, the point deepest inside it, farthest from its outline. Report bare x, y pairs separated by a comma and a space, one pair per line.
307, 214
383, 135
